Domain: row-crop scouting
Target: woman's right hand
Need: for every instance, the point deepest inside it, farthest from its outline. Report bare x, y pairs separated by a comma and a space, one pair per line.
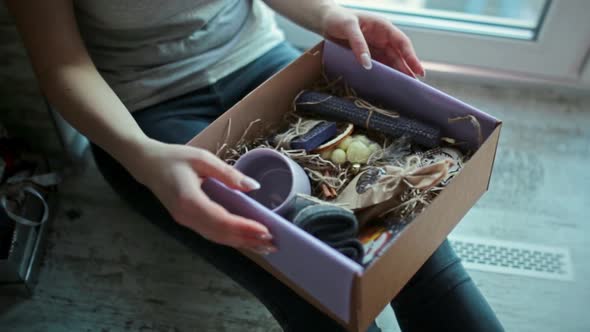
174, 173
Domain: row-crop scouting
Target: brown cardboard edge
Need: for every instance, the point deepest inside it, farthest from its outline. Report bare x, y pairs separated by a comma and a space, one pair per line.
383, 280
499, 128
355, 305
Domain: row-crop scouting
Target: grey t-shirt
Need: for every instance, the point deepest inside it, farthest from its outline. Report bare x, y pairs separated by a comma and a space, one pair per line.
152, 50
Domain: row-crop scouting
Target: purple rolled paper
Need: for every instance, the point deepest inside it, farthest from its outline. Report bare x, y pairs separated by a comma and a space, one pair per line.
321, 271
412, 98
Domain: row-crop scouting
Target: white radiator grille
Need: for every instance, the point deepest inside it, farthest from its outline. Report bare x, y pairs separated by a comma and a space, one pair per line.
514, 258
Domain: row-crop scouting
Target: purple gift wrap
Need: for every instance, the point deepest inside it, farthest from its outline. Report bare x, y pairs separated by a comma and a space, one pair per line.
407, 95
313, 265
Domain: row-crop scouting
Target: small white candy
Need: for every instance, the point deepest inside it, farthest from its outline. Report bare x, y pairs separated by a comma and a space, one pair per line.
326, 154
358, 153
345, 143
363, 139
339, 156
374, 147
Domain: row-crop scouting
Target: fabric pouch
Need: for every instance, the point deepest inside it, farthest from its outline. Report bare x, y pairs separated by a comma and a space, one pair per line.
377, 190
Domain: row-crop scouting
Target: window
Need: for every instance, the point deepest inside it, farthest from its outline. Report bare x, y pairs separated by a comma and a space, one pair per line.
519, 19
545, 41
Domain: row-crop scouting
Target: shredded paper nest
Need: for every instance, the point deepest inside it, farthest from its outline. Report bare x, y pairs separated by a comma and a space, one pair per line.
324, 173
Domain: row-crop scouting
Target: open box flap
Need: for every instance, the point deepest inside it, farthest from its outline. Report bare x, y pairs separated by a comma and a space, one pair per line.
322, 272
409, 96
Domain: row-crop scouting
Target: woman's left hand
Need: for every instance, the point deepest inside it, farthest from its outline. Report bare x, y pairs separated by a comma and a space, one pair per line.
373, 36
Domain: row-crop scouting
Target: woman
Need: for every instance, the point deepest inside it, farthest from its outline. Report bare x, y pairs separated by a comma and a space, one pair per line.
141, 78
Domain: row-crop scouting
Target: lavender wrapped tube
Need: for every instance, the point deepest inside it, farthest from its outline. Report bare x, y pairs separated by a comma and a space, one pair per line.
361, 113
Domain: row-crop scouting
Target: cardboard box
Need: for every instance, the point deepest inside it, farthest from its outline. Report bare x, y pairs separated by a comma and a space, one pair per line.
341, 288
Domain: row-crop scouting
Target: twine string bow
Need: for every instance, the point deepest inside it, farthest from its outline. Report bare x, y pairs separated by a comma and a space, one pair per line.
361, 103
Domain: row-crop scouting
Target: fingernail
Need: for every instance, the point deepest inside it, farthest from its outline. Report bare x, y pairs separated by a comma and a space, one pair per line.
264, 250
250, 183
423, 73
265, 237
366, 61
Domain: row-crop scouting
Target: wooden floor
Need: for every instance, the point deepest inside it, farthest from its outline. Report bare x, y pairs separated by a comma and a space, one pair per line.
107, 270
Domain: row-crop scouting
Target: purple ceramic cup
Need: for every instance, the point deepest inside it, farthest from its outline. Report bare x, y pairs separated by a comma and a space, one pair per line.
280, 178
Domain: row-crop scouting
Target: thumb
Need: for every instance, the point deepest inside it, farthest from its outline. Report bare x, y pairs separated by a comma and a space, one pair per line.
209, 165
358, 44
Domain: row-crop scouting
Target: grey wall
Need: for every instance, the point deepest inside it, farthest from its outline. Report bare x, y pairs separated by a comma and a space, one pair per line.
22, 108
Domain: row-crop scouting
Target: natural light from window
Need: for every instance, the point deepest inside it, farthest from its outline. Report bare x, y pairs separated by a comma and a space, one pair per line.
519, 19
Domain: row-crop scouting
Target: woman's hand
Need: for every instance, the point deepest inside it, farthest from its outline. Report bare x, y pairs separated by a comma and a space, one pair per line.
369, 36
174, 173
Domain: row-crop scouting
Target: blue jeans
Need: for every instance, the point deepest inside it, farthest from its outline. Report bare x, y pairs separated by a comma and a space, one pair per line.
440, 295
